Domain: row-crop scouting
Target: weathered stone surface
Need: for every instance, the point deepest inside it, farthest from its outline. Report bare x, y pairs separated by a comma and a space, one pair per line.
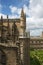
10, 32
11, 55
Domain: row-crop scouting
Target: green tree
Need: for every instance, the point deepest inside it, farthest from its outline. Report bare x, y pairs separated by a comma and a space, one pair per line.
34, 61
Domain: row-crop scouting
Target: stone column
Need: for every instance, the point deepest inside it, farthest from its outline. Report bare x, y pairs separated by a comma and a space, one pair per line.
25, 42
2, 29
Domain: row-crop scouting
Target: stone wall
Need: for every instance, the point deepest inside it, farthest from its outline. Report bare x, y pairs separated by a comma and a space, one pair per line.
11, 55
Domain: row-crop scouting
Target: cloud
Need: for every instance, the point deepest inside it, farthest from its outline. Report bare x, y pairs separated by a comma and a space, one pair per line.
15, 12
22, 2
35, 32
4, 16
35, 26
1, 14
13, 16
35, 19
10, 16
35, 22
15, 9
36, 8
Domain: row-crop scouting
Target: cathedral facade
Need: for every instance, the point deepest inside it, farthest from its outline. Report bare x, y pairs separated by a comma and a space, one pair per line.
14, 43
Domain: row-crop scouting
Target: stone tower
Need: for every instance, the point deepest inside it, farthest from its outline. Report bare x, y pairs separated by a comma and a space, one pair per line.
22, 23
24, 40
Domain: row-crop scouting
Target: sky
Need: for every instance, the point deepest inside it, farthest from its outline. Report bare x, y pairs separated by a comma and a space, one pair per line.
33, 10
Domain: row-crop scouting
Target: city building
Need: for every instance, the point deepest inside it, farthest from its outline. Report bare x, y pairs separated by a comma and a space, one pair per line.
36, 42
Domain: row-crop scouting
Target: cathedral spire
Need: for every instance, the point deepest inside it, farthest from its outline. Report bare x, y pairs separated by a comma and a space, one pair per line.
22, 12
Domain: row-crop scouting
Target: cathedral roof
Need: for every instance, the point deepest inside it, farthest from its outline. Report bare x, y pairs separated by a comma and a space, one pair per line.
11, 20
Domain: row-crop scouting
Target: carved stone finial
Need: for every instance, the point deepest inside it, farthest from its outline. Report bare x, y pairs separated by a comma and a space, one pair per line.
7, 16
1, 17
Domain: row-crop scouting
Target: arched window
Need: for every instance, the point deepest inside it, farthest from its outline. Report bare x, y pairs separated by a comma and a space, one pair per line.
2, 58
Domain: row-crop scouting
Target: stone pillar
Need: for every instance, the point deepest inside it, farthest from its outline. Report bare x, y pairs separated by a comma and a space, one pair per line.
25, 57
19, 58
2, 29
26, 53
8, 29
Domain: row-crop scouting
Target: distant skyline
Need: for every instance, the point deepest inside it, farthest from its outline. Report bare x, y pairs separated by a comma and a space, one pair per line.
32, 8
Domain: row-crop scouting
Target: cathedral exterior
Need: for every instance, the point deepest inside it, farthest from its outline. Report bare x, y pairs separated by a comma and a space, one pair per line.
14, 43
